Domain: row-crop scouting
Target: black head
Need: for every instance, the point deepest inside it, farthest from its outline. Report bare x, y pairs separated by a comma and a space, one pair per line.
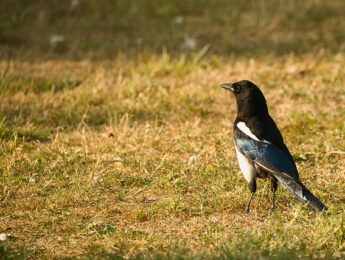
249, 97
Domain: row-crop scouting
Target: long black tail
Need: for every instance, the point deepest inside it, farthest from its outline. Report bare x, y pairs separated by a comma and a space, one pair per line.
314, 202
301, 193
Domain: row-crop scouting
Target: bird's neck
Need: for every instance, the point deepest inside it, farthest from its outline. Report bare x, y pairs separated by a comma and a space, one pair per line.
251, 108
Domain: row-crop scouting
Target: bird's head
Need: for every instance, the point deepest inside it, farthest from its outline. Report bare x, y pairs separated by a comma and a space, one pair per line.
249, 97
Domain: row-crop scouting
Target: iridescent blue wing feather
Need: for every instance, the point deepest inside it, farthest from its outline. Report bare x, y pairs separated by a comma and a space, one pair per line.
268, 156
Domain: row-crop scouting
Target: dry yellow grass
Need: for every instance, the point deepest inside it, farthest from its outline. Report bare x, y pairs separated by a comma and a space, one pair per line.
129, 154
159, 173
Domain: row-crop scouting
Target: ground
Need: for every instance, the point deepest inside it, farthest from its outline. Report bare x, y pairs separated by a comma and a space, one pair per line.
116, 139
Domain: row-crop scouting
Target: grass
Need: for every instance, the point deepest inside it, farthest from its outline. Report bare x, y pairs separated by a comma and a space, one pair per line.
114, 148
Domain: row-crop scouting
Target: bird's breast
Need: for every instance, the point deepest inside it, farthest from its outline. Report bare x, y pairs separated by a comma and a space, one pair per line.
246, 166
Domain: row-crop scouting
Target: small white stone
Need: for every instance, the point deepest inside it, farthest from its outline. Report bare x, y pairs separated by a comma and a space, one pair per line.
56, 39
292, 68
189, 43
179, 19
75, 3
139, 41
192, 159
3, 237
97, 178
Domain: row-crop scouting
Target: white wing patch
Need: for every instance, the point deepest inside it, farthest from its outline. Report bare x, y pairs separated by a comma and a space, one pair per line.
244, 128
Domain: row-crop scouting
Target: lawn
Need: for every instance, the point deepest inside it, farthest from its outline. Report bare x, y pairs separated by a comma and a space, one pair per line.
116, 139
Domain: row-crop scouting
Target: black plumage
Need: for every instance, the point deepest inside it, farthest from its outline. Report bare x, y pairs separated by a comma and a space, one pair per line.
260, 147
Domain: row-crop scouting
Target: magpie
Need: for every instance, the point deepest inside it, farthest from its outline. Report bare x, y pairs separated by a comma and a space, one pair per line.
260, 148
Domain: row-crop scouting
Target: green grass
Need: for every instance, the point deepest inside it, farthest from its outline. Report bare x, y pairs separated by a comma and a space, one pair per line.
112, 149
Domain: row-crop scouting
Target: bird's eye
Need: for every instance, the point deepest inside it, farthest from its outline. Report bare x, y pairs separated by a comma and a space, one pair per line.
237, 88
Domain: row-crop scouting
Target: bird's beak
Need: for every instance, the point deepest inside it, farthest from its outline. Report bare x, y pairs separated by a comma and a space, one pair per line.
228, 86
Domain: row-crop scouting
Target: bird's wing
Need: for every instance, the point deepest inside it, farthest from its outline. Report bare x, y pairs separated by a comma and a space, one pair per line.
266, 155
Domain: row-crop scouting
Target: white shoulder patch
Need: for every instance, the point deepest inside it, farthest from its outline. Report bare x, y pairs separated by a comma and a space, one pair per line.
244, 128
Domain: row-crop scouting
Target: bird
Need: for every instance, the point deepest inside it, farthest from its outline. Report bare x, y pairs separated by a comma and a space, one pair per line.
260, 147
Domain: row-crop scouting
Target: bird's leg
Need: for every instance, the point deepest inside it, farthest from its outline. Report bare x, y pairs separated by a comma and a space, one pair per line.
252, 188
274, 186
248, 202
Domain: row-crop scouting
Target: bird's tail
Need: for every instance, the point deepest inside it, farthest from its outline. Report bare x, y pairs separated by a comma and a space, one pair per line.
302, 193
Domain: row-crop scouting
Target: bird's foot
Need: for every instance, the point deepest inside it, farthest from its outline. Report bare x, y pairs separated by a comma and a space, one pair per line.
273, 205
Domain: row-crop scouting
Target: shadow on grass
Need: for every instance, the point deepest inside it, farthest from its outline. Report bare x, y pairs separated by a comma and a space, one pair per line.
12, 84
27, 135
7, 253
101, 30
245, 250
